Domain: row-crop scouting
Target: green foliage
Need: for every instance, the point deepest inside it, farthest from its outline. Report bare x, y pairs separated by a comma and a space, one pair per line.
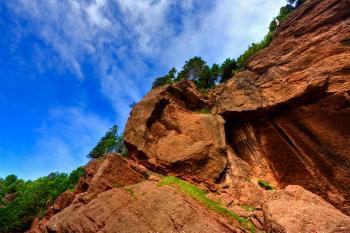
265, 185
74, 177
111, 142
205, 110
215, 72
193, 69
255, 47
205, 77
248, 208
201, 197
227, 69
32, 198
9, 185
197, 70
106, 143
131, 192
163, 80
120, 146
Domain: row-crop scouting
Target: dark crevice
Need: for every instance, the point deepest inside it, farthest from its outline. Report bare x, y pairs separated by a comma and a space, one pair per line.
345, 41
343, 71
221, 177
188, 98
311, 163
157, 111
190, 163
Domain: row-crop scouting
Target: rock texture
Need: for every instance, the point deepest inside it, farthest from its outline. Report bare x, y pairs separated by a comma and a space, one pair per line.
285, 119
166, 133
143, 207
99, 175
309, 56
288, 114
296, 210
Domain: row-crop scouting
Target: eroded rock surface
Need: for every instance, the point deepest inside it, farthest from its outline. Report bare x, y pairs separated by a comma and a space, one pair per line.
143, 207
99, 175
288, 115
165, 132
309, 55
295, 210
285, 120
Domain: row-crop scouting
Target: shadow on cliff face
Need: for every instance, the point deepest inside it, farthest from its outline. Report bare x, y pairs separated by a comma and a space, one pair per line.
304, 144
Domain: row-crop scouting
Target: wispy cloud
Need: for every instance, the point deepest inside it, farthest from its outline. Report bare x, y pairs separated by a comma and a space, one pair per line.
63, 140
127, 43
125, 39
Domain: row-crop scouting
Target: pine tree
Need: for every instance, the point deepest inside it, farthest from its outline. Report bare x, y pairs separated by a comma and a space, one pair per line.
106, 144
227, 68
163, 80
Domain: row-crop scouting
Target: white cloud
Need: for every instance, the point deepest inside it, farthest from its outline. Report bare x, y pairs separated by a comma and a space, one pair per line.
134, 33
65, 137
128, 42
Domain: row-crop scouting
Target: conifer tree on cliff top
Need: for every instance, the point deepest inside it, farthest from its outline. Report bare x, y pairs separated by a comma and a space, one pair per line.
106, 144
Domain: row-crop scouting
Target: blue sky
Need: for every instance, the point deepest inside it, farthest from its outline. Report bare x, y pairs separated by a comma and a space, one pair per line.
70, 68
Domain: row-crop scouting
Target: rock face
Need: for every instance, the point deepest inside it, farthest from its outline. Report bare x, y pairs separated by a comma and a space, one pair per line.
99, 175
113, 172
143, 207
296, 210
308, 57
9, 197
285, 119
166, 132
288, 114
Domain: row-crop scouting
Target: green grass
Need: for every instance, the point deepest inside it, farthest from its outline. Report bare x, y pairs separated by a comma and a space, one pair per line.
116, 184
205, 110
248, 208
265, 185
131, 192
199, 195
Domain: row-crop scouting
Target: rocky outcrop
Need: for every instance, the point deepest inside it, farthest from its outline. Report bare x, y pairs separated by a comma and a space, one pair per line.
132, 204
308, 58
113, 172
143, 207
99, 175
167, 133
296, 210
90, 169
285, 119
288, 114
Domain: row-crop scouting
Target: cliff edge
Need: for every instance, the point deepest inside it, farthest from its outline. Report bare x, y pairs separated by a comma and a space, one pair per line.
266, 151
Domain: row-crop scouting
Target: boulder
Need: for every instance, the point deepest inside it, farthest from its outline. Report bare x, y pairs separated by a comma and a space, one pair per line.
295, 210
63, 200
90, 169
114, 171
9, 197
166, 132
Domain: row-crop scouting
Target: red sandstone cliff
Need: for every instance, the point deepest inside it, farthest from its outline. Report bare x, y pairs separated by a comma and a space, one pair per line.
285, 120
